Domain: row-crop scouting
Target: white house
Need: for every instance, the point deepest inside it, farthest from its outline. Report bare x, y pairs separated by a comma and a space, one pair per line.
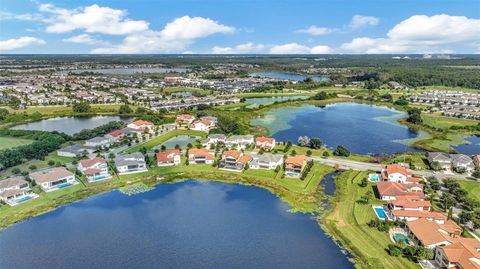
201, 156
130, 163
94, 169
267, 143
98, 142
142, 125
52, 179
214, 139
169, 157
266, 161
202, 125
15, 190
239, 141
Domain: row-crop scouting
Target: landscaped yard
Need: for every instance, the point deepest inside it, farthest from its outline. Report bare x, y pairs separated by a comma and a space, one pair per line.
11, 142
38, 163
348, 222
163, 138
472, 187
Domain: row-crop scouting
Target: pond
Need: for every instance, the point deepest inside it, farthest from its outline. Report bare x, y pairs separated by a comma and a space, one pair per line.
473, 148
256, 101
181, 140
328, 183
361, 128
185, 225
70, 125
289, 76
127, 71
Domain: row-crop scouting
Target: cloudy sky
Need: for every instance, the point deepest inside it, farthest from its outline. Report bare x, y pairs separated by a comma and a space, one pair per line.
240, 26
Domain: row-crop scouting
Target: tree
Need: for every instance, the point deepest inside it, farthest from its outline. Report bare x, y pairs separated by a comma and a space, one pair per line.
3, 113
341, 151
435, 166
326, 154
476, 173
81, 107
32, 167
293, 153
16, 171
394, 250
363, 182
124, 109
315, 143
320, 96
365, 199
51, 162
309, 153
414, 116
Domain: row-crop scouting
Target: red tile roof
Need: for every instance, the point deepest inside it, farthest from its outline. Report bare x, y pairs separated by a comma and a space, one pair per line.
90, 162
168, 155
116, 133
397, 168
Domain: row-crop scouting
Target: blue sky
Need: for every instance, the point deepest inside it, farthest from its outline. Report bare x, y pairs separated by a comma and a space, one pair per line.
245, 26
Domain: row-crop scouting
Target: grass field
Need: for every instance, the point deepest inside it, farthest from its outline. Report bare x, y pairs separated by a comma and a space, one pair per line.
11, 142
163, 138
38, 163
348, 223
472, 187
439, 121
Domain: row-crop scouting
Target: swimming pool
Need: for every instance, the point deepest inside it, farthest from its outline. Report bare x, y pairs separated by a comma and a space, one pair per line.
374, 177
63, 185
292, 174
23, 199
380, 213
398, 237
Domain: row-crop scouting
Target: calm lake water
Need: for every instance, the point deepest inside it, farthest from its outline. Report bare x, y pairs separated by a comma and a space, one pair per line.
268, 100
181, 140
70, 125
184, 225
361, 128
288, 76
128, 71
469, 149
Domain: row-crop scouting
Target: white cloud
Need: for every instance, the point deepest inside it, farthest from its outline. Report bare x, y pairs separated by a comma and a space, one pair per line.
84, 39
17, 43
91, 19
315, 30
419, 34
359, 21
295, 48
239, 49
176, 36
5, 15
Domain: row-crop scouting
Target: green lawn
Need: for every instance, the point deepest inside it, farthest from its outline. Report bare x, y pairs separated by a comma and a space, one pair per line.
347, 222
163, 138
38, 163
439, 121
319, 153
11, 142
472, 187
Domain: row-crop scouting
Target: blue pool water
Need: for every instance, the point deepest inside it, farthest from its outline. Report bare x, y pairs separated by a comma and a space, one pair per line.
23, 199
184, 225
291, 174
374, 178
63, 185
398, 237
380, 213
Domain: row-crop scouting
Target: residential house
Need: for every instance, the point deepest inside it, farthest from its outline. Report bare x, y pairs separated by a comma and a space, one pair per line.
214, 139
52, 179
464, 254
142, 126
115, 136
398, 173
267, 143
403, 203
202, 125
431, 234
210, 118
15, 190
476, 161
234, 160
130, 163
239, 141
184, 119
266, 161
98, 142
462, 161
169, 157
76, 150
410, 215
440, 158
94, 169
294, 165
201, 156
388, 191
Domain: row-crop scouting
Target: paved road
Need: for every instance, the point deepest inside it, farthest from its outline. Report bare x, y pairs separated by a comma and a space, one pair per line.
363, 166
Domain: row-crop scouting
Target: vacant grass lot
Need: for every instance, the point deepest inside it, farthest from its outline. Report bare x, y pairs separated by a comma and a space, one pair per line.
472, 187
439, 121
11, 142
348, 223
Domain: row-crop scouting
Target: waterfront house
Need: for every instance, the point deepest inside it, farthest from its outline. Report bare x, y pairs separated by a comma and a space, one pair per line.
442, 159
98, 142
410, 215
214, 120
201, 156
294, 165
169, 157
239, 141
94, 169
393, 190
143, 126
431, 234
397, 173
76, 150
15, 190
462, 161
202, 125
130, 163
214, 139
234, 160
267, 143
115, 136
464, 254
184, 119
405, 203
52, 179
266, 161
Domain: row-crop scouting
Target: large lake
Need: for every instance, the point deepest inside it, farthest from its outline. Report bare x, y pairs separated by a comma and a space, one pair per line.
184, 225
127, 71
363, 129
289, 76
469, 149
70, 125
